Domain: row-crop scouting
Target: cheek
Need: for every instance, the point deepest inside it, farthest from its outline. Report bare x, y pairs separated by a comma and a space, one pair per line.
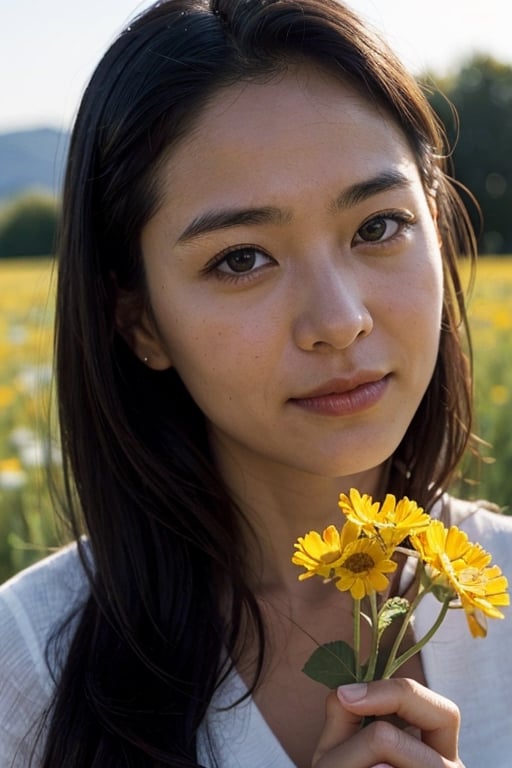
426, 318
414, 314
213, 346
422, 290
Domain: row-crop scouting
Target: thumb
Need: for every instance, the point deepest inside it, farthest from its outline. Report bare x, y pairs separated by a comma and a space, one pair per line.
339, 726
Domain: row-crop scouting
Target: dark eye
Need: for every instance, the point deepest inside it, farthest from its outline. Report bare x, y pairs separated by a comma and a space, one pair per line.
242, 260
379, 228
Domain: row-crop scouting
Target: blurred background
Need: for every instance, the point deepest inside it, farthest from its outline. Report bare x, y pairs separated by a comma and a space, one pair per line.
460, 51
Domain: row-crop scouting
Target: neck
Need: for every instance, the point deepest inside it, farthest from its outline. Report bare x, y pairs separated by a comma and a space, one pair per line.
280, 504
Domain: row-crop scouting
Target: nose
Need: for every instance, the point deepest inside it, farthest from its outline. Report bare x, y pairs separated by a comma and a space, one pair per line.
331, 311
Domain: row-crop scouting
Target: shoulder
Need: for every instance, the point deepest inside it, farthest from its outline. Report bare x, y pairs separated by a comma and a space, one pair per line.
33, 606
40, 596
479, 514
467, 669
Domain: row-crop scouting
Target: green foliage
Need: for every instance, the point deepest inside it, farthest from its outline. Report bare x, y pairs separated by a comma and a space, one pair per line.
28, 226
475, 106
491, 323
392, 609
28, 524
332, 664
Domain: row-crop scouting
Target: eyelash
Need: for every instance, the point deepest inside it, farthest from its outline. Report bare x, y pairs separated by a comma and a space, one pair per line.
404, 219
212, 268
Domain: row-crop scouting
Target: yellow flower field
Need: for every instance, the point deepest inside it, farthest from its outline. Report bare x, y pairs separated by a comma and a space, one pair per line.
27, 519
27, 524
490, 311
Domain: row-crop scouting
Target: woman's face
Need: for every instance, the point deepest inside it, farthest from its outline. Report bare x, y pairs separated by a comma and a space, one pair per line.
294, 273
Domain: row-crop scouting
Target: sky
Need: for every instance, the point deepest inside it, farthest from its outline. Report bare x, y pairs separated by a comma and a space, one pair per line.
48, 48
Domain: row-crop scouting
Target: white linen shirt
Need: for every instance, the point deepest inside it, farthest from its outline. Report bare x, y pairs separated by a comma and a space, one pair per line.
474, 673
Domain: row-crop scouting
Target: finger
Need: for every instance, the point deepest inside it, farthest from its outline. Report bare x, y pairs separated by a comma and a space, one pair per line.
380, 744
340, 724
383, 744
437, 718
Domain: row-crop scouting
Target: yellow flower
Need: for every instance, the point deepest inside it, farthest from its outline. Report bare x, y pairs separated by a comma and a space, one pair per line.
7, 396
465, 568
499, 394
352, 560
10, 465
362, 566
317, 553
391, 522
501, 318
12, 475
358, 558
491, 591
360, 509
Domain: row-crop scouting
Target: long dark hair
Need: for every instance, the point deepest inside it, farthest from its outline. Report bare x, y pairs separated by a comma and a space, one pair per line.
165, 538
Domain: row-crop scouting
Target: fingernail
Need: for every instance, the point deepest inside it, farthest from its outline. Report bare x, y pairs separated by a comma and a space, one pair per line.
352, 692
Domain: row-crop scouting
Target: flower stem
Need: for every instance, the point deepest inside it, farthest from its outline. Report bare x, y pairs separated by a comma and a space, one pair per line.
357, 639
393, 664
374, 650
400, 636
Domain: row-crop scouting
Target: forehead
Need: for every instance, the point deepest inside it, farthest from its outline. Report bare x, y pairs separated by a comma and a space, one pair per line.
302, 127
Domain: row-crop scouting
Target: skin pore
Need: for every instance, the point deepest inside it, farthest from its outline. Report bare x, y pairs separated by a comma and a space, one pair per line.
295, 280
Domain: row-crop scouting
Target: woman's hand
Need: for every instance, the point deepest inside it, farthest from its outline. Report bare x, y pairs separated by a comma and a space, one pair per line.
428, 737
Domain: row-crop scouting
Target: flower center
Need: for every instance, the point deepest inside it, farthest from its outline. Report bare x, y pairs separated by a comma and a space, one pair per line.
358, 562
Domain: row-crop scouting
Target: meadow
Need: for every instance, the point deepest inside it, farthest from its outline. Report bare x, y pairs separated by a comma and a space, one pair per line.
29, 525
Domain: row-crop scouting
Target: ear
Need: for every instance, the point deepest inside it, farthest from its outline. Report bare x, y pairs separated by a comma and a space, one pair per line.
138, 329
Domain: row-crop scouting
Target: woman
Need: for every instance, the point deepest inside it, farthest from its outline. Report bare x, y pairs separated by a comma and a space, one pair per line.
258, 307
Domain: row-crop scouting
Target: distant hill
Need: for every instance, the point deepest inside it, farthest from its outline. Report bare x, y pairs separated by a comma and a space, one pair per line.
32, 158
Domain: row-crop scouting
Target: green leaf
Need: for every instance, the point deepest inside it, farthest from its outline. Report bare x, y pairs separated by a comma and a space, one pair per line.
332, 664
391, 610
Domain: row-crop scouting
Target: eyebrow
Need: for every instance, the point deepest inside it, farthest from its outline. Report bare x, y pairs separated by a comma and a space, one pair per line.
224, 218
233, 217
363, 190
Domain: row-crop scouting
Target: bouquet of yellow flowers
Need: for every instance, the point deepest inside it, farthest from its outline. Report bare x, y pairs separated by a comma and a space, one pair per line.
358, 558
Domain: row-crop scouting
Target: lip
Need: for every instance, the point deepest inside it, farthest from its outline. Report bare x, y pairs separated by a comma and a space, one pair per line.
344, 396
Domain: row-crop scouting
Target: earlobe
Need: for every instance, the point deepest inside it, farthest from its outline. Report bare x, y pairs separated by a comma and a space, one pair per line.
143, 339
138, 329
